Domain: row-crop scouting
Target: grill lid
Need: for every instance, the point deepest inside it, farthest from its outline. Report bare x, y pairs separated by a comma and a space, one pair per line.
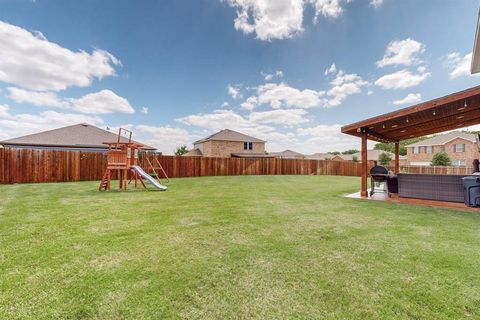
378, 170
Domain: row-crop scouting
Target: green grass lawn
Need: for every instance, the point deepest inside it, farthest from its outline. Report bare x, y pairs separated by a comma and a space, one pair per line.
262, 247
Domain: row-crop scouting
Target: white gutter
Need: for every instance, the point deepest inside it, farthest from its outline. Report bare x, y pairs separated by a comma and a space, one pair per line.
475, 66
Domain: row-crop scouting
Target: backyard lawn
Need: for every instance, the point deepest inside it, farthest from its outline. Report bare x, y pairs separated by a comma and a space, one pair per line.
249, 247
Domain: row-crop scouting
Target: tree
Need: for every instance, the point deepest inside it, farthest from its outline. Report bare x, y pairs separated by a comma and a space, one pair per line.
181, 150
335, 152
350, 151
384, 158
441, 159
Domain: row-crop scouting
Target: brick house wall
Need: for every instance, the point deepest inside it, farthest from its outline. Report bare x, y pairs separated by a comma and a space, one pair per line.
224, 149
471, 152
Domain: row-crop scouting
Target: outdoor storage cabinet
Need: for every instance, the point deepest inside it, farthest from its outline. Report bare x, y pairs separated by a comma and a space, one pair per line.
431, 187
471, 188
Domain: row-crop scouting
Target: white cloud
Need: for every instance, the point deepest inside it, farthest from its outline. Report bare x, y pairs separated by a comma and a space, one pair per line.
369, 92
402, 79
250, 103
30, 61
402, 52
4, 110
410, 98
288, 117
101, 102
144, 110
343, 86
459, 66
234, 91
12, 126
223, 119
328, 8
279, 19
217, 120
35, 98
165, 138
321, 138
270, 76
331, 69
282, 95
376, 3
325, 138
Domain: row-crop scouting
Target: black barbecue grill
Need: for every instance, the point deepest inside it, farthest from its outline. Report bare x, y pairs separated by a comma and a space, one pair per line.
378, 174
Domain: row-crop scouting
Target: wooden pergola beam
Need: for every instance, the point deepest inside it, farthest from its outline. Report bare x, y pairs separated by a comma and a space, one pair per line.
397, 158
437, 129
473, 110
424, 106
364, 192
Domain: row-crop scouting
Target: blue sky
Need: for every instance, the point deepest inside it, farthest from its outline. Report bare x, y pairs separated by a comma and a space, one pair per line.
290, 72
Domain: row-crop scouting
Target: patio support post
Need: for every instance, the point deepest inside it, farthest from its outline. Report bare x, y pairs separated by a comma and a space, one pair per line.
364, 192
397, 157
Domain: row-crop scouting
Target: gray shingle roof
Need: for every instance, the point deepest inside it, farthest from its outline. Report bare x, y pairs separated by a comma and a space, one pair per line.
442, 139
193, 153
319, 156
230, 135
79, 136
287, 154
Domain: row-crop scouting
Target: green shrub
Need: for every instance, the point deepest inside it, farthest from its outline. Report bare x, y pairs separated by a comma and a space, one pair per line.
181, 150
384, 159
441, 159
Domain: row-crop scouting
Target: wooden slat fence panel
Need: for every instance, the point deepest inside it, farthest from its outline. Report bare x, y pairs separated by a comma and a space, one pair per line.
34, 165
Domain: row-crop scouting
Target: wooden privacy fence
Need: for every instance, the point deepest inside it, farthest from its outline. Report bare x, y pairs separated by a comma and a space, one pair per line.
33, 165
437, 170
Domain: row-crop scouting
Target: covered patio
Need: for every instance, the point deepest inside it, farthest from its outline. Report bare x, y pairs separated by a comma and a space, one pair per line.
454, 111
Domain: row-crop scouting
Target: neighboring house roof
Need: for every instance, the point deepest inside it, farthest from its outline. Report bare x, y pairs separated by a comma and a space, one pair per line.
287, 154
375, 154
319, 156
193, 153
442, 139
251, 155
346, 157
229, 135
77, 136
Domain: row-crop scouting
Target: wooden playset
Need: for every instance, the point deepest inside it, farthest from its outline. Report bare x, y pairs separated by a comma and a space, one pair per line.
123, 157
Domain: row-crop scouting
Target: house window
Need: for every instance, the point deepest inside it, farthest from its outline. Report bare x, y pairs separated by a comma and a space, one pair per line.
429, 149
416, 150
459, 147
247, 146
459, 163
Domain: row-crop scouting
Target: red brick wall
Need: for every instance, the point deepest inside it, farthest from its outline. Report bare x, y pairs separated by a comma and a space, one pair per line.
471, 152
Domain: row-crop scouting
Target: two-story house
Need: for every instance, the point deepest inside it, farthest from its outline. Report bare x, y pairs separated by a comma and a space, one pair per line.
228, 143
461, 147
